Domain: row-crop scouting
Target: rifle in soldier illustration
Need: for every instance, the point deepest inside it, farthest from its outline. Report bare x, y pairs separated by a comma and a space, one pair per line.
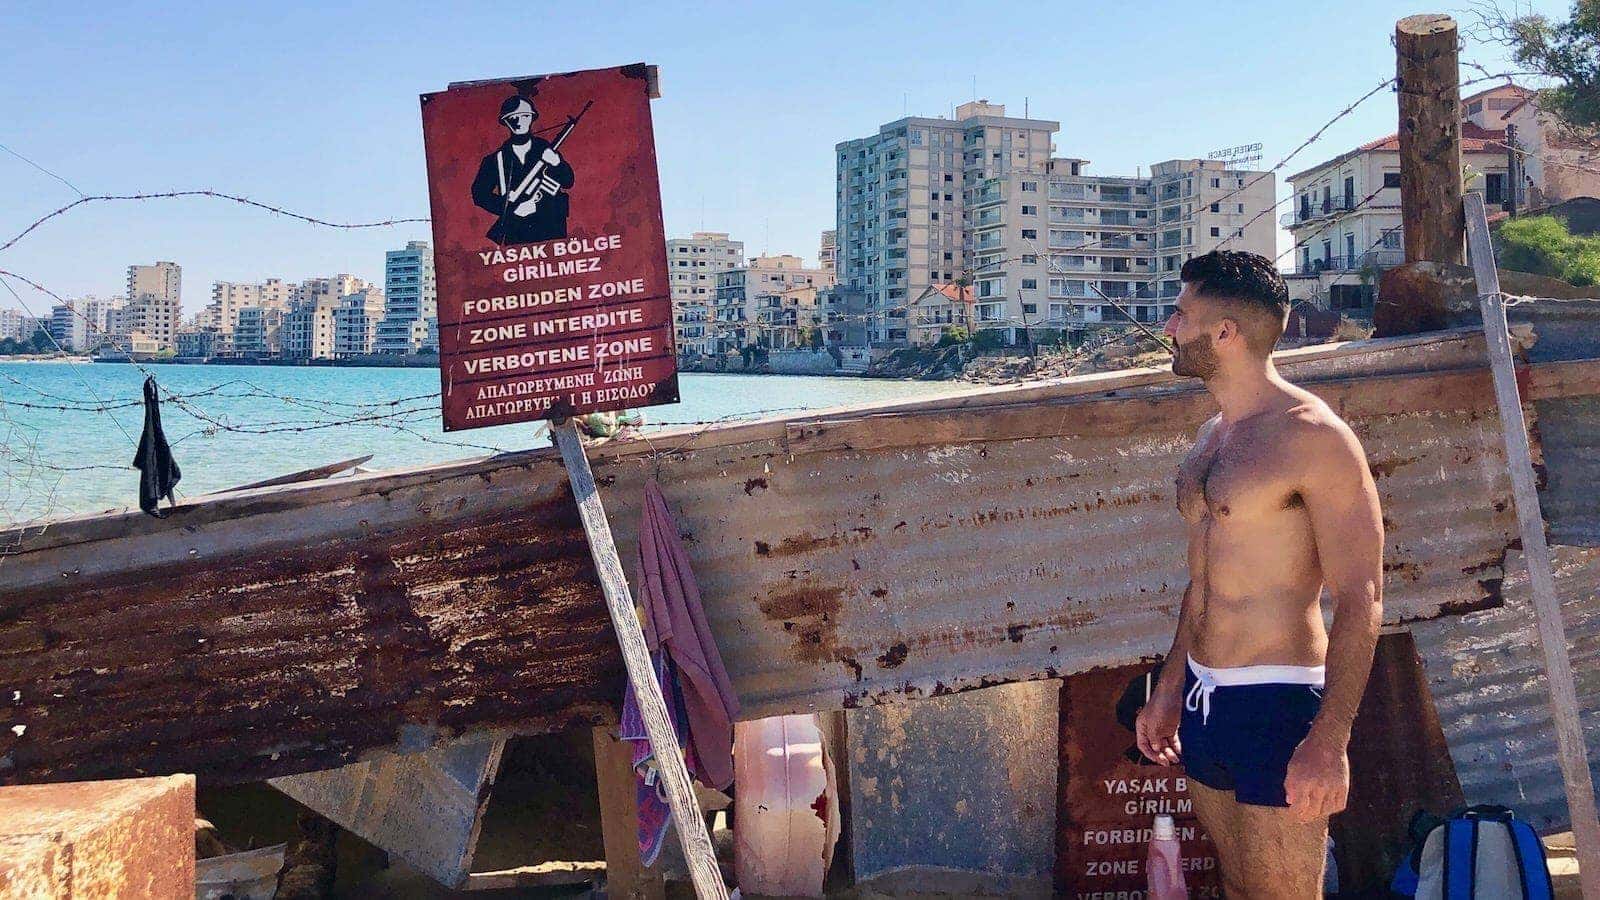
536, 184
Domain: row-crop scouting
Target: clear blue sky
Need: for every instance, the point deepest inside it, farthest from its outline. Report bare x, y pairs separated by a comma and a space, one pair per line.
315, 109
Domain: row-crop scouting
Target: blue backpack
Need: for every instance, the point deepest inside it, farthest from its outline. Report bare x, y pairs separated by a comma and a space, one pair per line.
1480, 851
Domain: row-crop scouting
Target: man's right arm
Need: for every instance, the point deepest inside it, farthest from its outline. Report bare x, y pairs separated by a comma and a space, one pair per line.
1157, 726
1171, 682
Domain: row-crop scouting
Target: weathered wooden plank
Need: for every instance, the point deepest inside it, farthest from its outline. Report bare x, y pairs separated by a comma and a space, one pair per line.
1572, 753
196, 653
671, 767
1357, 396
627, 878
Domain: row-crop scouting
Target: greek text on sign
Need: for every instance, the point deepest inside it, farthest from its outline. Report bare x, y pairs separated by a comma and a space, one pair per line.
549, 251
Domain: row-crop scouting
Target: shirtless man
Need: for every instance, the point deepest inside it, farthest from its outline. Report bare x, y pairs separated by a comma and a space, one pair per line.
1258, 698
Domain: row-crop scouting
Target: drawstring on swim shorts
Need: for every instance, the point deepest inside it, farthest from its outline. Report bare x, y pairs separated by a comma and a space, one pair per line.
1199, 699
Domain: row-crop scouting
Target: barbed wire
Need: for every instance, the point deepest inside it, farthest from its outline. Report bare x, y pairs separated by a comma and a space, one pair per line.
217, 195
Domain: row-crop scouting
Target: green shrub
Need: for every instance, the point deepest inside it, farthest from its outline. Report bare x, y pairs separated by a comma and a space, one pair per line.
955, 334
1542, 245
989, 339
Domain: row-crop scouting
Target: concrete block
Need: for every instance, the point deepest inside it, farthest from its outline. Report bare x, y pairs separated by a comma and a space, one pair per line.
98, 840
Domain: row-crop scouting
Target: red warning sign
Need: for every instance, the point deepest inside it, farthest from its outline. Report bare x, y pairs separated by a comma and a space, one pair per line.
549, 251
1110, 795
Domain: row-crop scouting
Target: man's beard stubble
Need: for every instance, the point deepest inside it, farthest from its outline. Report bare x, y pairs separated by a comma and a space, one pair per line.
1196, 359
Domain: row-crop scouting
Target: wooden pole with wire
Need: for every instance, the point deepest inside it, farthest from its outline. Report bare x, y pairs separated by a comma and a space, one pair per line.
1428, 76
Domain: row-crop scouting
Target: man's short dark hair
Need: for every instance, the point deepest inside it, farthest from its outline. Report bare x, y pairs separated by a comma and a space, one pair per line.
1246, 283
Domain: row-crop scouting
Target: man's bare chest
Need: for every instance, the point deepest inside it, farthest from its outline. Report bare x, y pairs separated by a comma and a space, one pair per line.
1247, 474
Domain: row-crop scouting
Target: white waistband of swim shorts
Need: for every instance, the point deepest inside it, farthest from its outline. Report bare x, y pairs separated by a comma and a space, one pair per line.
1243, 675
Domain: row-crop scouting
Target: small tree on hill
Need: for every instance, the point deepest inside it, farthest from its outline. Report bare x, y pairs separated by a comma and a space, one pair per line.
1567, 53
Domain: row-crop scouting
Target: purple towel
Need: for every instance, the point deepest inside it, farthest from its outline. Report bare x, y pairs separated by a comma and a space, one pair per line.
655, 813
699, 694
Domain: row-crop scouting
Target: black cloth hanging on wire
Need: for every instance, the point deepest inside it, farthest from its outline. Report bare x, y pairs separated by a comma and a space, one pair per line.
158, 471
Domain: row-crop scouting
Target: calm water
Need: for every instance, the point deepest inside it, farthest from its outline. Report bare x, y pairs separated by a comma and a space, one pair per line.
238, 424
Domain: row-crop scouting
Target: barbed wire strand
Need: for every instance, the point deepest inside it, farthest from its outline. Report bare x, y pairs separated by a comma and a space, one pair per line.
217, 195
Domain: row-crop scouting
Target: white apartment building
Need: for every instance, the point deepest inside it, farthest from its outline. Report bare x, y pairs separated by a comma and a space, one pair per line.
1346, 218
308, 328
322, 289
783, 318
1047, 243
204, 343
903, 201
307, 331
67, 328
258, 332
355, 323
1552, 165
693, 264
18, 325
86, 323
411, 312
828, 251
228, 297
154, 307
164, 280
744, 293
158, 319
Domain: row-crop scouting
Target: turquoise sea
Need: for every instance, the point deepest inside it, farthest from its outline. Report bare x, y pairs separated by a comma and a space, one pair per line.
68, 431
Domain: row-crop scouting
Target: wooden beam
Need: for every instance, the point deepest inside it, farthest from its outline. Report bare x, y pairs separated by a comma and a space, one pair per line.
1429, 81
626, 876
1571, 752
674, 772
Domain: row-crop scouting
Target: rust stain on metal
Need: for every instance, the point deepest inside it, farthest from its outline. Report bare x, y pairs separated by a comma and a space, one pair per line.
754, 484
805, 542
238, 669
1387, 467
894, 656
808, 612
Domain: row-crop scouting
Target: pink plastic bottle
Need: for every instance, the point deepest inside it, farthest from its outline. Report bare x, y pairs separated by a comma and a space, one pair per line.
1164, 868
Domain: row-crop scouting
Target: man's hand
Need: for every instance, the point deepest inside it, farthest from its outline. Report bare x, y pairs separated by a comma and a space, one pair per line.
551, 157
1318, 783
1157, 728
526, 208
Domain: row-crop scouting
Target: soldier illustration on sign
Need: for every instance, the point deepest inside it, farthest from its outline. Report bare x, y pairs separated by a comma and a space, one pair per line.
525, 180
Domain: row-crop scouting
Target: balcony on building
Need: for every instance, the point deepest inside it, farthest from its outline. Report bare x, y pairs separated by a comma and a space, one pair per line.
1308, 209
1375, 260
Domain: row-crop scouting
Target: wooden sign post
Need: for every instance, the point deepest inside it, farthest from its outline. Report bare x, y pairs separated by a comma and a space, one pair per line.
554, 302
641, 674
1570, 748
